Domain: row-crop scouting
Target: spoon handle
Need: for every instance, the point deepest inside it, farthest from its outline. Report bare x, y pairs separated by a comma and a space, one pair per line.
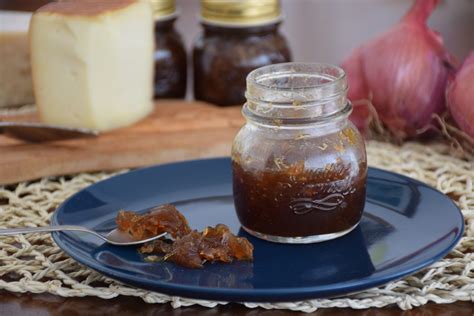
47, 229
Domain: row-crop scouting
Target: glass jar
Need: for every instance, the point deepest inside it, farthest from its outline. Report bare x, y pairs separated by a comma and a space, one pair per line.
238, 37
299, 165
170, 54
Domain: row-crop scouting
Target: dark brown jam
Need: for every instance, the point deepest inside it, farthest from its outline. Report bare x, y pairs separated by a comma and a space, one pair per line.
297, 201
170, 61
223, 57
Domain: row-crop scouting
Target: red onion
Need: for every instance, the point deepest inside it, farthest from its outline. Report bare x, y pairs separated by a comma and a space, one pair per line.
460, 96
358, 90
404, 72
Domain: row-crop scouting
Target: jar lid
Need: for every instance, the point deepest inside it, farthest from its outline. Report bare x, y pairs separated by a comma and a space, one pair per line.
163, 8
240, 12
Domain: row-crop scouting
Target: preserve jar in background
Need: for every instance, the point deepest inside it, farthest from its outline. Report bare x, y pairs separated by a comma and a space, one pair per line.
170, 54
238, 37
299, 165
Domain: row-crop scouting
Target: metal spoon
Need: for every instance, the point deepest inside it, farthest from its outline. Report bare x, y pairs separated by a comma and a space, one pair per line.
39, 132
115, 237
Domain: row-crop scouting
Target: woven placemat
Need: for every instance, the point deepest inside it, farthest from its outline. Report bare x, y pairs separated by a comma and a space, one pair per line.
35, 264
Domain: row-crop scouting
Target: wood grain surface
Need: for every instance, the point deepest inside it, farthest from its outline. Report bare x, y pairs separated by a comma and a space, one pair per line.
176, 130
28, 304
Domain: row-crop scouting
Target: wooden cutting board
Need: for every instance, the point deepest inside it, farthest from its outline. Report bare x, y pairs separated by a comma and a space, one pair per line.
176, 130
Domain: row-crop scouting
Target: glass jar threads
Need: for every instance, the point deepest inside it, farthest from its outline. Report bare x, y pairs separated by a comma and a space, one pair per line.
170, 54
299, 165
238, 37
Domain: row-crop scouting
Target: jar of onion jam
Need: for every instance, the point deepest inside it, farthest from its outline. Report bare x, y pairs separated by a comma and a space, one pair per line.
299, 165
238, 37
170, 54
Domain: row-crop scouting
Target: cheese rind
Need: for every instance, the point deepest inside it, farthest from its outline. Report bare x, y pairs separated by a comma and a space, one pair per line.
93, 71
86, 7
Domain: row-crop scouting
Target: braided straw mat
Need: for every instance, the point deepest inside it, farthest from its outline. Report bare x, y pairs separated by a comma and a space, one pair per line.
35, 264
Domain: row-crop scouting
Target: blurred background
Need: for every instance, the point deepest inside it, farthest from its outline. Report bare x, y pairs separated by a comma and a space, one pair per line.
331, 28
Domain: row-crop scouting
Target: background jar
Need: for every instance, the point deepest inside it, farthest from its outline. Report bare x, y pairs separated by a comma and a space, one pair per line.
299, 165
170, 54
238, 37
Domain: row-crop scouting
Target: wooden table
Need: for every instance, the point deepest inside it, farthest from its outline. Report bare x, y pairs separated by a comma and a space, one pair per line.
27, 304
45, 304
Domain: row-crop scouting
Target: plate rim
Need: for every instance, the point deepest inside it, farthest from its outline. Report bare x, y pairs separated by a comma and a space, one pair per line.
258, 295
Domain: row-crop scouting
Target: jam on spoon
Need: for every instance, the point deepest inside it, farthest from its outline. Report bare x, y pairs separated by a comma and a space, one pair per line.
190, 248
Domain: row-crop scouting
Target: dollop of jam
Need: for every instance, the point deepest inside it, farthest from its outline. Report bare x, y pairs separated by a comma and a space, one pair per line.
190, 248
164, 218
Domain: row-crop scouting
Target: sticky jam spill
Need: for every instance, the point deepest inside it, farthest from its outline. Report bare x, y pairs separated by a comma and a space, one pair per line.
191, 248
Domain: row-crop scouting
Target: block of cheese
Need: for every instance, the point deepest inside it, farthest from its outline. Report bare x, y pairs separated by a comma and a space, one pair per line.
92, 62
15, 72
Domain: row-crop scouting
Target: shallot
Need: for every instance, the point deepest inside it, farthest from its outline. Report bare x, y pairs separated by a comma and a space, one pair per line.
460, 96
403, 73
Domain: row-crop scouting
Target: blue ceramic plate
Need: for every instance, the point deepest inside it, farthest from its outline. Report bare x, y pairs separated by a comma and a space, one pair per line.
407, 225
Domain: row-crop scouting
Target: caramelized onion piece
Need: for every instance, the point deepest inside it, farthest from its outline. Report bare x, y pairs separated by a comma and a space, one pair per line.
185, 251
191, 248
156, 246
212, 245
164, 218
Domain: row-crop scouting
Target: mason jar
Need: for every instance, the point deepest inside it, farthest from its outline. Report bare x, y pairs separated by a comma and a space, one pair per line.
238, 37
299, 165
170, 53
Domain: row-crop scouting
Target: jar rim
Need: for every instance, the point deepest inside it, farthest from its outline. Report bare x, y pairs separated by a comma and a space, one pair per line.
240, 25
240, 11
290, 68
297, 91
